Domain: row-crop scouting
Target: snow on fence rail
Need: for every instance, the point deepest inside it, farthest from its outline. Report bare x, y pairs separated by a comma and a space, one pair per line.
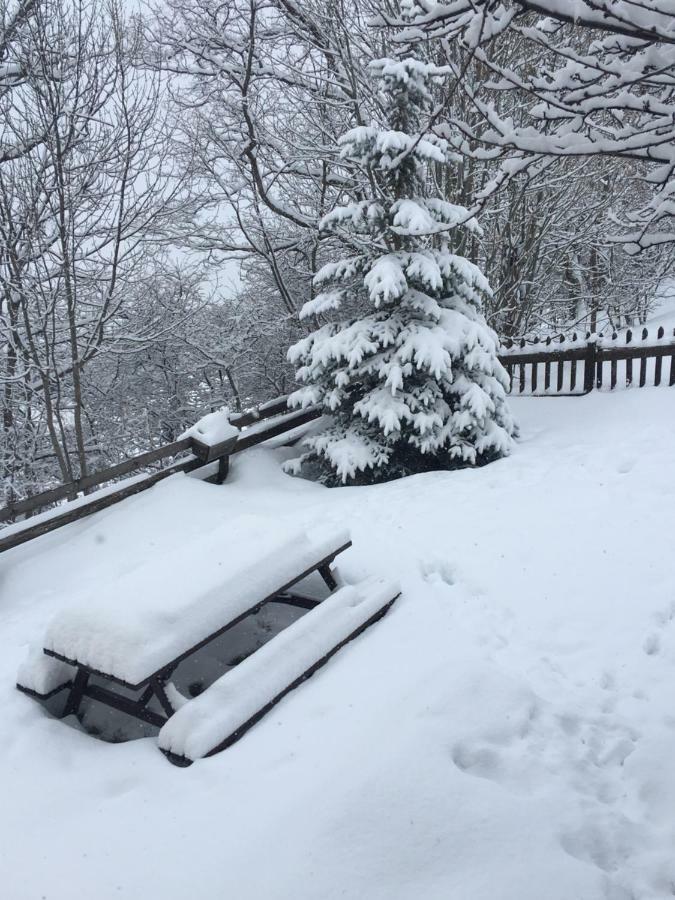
186, 455
562, 366
574, 366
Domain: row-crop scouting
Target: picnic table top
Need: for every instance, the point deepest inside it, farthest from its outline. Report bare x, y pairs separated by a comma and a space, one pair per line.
153, 614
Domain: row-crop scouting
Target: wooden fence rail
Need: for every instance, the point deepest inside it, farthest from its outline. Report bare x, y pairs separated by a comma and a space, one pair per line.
70, 490
562, 367
258, 425
577, 366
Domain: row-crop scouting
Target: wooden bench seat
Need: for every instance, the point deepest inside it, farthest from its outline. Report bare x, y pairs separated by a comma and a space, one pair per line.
240, 698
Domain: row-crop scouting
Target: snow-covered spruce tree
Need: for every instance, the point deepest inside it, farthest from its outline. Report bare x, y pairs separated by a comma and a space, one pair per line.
413, 383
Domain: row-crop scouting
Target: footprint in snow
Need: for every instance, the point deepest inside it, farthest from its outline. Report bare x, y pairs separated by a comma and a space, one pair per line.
501, 754
607, 844
534, 744
652, 644
437, 572
479, 760
662, 618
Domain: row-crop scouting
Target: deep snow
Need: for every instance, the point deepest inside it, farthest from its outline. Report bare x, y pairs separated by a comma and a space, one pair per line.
506, 732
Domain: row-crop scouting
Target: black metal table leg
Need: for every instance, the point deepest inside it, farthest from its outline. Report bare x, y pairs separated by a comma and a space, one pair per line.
161, 695
223, 469
76, 693
328, 577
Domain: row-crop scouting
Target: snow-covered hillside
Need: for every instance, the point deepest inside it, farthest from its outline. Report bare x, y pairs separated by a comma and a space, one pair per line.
663, 313
507, 732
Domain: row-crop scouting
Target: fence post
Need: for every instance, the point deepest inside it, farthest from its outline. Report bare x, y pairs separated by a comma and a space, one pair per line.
589, 367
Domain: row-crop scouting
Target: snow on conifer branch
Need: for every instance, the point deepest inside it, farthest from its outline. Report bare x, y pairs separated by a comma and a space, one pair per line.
412, 380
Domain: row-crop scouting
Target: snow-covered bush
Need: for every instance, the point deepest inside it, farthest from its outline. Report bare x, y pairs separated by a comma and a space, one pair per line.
414, 382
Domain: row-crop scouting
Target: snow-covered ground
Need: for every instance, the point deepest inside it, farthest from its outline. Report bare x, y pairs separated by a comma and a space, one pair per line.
663, 314
506, 732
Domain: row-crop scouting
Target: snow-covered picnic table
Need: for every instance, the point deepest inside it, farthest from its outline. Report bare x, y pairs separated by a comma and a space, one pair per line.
153, 616
136, 630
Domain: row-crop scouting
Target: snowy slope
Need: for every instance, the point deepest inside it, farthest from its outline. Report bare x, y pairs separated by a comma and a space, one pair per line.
507, 732
663, 313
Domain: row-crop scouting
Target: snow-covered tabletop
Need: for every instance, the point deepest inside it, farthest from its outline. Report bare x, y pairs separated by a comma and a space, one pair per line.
136, 625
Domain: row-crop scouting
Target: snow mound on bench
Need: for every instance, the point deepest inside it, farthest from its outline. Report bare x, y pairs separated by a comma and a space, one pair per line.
153, 614
205, 722
42, 674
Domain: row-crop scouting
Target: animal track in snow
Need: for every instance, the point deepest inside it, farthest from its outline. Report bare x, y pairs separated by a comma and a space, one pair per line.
537, 747
438, 571
651, 644
502, 754
588, 757
607, 843
482, 761
626, 465
662, 618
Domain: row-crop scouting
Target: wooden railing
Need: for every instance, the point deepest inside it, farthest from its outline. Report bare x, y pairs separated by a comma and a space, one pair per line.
574, 365
187, 455
562, 366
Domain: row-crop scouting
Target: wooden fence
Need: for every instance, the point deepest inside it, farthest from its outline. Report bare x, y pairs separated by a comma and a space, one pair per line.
187, 455
567, 366
561, 366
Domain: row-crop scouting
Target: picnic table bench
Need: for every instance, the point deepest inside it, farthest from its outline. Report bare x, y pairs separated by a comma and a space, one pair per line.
134, 633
